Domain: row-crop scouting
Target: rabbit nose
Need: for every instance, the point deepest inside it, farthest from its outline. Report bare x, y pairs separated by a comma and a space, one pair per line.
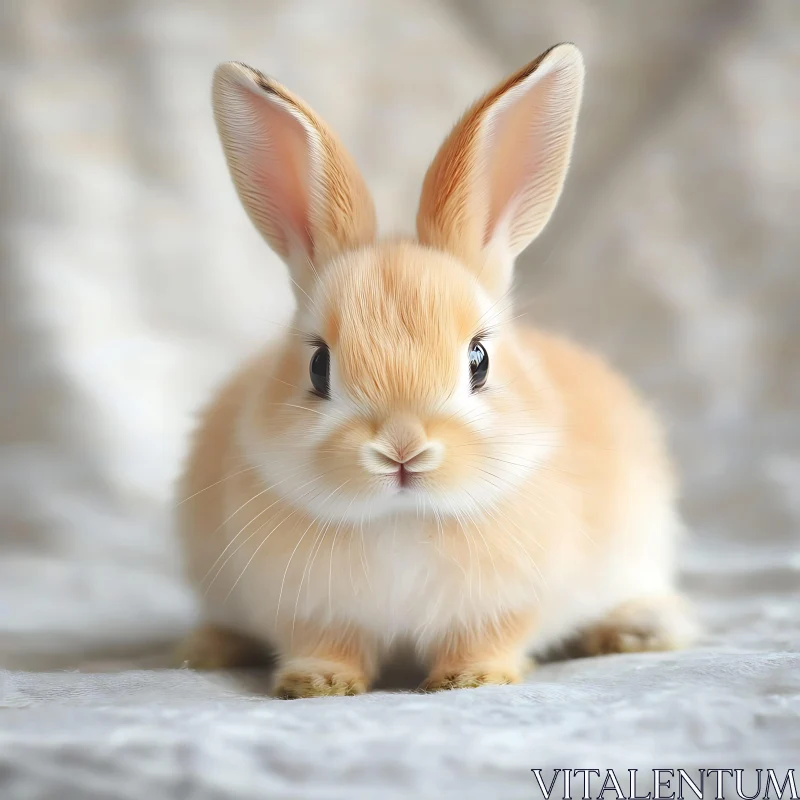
402, 444
383, 460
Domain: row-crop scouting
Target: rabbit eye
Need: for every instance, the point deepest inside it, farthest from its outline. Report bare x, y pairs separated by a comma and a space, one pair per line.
320, 371
478, 365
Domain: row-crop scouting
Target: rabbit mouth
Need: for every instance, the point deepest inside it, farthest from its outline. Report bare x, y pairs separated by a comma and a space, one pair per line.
405, 480
404, 477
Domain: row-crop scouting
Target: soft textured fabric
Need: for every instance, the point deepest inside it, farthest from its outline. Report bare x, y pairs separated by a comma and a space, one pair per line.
178, 734
131, 281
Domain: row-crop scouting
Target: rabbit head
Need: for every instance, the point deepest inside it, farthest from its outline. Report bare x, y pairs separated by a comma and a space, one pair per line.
402, 384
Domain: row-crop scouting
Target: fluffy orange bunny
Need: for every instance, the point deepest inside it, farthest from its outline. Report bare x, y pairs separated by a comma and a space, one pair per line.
406, 464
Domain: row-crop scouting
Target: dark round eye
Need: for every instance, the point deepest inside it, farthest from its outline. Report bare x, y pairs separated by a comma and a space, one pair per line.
320, 371
478, 365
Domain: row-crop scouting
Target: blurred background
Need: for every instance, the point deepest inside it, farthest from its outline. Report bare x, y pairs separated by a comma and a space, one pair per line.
131, 280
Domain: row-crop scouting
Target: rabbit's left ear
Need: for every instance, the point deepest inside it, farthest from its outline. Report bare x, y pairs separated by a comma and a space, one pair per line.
496, 179
298, 184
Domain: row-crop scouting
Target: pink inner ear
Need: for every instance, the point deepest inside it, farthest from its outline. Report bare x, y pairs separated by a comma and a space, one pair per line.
514, 156
525, 155
277, 161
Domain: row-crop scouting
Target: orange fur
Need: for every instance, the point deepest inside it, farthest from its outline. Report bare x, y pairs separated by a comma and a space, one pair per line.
539, 507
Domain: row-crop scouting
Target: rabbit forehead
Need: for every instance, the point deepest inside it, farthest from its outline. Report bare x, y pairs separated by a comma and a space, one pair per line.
398, 317
399, 292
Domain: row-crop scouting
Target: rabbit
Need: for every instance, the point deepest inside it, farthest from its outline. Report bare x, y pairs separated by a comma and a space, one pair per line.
407, 463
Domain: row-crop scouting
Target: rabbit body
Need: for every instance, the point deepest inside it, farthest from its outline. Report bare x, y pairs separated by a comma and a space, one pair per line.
407, 464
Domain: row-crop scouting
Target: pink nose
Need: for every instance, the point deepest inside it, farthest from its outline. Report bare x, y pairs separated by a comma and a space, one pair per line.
401, 444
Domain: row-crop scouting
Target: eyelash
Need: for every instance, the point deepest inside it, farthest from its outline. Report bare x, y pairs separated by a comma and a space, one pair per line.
312, 340
484, 334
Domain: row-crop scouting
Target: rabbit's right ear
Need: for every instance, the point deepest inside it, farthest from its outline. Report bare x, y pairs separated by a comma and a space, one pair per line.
496, 179
296, 181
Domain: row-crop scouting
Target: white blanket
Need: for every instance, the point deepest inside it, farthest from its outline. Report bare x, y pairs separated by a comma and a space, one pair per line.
131, 280
182, 735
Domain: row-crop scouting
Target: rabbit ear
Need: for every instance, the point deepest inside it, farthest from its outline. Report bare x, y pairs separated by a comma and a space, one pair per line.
299, 186
496, 179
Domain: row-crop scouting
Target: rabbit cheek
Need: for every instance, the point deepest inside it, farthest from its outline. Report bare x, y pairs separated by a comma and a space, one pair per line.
340, 450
